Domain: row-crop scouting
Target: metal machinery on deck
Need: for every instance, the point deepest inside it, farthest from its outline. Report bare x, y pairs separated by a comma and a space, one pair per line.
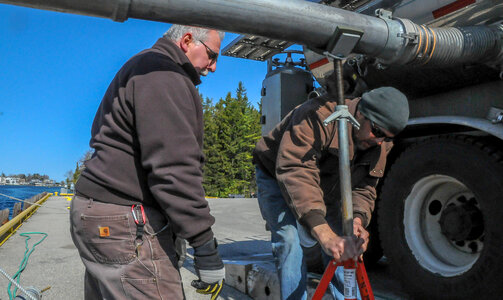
440, 200
286, 85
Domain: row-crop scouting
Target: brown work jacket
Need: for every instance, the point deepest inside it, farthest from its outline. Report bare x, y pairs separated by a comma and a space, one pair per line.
302, 154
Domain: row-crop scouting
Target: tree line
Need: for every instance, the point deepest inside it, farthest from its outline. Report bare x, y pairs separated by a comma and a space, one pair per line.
28, 177
231, 129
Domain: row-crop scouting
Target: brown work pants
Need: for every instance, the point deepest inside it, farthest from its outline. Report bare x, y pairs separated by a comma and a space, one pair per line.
105, 235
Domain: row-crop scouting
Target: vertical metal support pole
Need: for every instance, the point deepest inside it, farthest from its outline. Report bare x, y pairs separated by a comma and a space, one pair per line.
342, 116
345, 181
339, 82
344, 168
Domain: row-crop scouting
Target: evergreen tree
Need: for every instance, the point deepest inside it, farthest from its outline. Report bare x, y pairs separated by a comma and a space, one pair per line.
72, 177
76, 173
231, 131
212, 153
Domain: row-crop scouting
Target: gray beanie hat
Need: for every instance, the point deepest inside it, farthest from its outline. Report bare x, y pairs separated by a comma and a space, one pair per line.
386, 107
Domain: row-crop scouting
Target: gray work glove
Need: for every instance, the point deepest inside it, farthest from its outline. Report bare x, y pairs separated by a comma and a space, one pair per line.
209, 268
181, 251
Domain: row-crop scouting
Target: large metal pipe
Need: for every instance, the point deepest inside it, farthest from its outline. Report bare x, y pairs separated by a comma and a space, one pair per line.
116, 10
296, 21
393, 41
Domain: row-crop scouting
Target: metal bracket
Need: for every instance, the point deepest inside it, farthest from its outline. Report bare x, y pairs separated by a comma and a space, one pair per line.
343, 41
411, 36
342, 112
383, 13
330, 55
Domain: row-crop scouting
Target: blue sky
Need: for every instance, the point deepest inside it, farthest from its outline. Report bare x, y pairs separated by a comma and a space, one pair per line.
54, 70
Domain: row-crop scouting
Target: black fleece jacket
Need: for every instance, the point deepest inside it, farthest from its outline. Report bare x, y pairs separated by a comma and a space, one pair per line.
148, 139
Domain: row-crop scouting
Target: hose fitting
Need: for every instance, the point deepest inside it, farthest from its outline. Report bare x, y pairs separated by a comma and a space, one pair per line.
413, 44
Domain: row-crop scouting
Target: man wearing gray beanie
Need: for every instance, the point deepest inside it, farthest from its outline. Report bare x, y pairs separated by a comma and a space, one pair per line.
298, 181
387, 107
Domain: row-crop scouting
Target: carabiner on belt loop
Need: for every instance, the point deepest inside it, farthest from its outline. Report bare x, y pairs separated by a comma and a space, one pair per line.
138, 209
140, 222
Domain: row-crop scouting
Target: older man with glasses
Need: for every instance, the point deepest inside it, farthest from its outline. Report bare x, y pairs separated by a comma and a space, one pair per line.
298, 181
143, 185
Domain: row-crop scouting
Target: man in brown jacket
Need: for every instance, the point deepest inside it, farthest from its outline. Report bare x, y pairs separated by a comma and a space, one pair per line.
298, 180
143, 184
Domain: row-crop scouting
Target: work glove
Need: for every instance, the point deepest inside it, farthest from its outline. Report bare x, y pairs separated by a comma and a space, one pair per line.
209, 268
181, 251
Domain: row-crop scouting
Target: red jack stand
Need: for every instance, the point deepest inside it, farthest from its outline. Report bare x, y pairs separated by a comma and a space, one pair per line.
351, 269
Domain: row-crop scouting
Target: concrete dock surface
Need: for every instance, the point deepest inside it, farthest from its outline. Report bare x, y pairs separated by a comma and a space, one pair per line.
239, 229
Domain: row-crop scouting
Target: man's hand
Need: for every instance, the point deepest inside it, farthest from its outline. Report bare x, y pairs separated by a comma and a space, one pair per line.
362, 235
210, 269
340, 248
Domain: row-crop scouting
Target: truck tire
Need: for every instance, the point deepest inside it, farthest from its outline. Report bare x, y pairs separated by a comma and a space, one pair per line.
440, 219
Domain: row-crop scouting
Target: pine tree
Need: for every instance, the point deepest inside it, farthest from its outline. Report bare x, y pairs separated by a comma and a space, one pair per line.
76, 173
231, 131
211, 151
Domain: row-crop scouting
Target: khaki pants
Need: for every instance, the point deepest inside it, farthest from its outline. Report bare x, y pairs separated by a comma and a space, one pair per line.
105, 236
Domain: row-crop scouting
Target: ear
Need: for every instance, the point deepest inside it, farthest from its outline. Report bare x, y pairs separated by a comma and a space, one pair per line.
185, 41
359, 117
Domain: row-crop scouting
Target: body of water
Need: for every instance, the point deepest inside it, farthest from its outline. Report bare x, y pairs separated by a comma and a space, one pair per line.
22, 192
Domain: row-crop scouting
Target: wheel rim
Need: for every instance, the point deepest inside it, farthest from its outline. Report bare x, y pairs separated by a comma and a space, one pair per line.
439, 246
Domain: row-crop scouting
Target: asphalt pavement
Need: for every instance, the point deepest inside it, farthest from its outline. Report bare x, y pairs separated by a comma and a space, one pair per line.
55, 262
239, 229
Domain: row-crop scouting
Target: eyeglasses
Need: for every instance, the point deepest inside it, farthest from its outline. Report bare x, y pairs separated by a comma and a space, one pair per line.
212, 55
378, 133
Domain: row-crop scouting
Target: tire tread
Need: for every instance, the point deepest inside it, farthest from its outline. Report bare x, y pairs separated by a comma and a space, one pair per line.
478, 144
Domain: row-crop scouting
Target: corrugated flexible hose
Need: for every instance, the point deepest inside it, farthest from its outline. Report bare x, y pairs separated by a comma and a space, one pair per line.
457, 45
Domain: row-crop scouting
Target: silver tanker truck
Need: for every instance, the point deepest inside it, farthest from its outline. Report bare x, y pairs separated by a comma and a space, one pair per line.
441, 198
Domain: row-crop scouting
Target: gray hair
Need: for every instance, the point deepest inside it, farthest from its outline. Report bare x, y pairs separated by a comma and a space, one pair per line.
176, 32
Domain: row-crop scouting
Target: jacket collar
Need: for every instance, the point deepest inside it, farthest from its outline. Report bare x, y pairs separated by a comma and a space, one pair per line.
168, 48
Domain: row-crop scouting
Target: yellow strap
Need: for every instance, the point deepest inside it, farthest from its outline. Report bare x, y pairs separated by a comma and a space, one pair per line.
215, 295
